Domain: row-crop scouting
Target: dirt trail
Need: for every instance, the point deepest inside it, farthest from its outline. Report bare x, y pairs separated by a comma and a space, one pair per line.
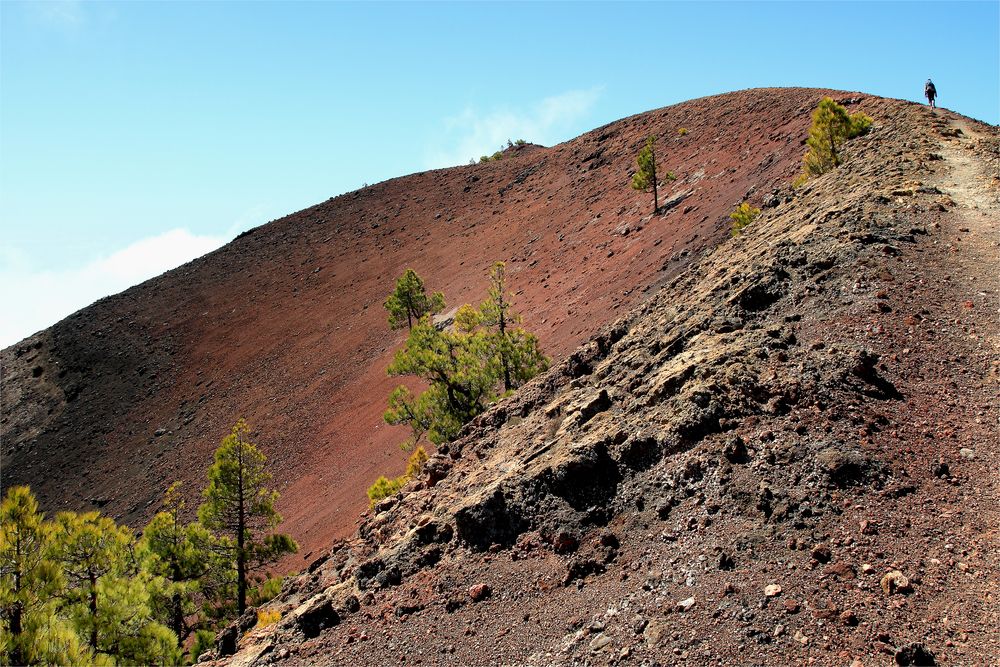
971, 178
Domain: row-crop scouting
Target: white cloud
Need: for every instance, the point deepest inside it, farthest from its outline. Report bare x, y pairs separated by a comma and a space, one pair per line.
62, 14
472, 133
33, 299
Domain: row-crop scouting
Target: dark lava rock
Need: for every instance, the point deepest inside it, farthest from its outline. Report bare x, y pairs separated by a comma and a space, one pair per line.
914, 654
735, 450
318, 616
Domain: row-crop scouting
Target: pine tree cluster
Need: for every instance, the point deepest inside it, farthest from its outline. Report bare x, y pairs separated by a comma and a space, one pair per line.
80, 589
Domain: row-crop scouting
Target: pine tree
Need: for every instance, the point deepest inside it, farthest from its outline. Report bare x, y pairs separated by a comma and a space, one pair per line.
110, 595
831, 127
463, 366
239, 505
461, 377
515, 349
89, 547
409, 301
31, 631
183, 555
645, 173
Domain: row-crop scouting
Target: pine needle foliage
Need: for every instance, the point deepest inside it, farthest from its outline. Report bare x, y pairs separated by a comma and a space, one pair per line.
514, 349
468, 366
409, 301
109, 598
239, 505
31, 629
185, 557
831, 127
743, 216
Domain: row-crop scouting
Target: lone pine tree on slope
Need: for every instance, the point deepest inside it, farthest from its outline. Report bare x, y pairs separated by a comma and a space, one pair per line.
645, 174
409, 301
239, 505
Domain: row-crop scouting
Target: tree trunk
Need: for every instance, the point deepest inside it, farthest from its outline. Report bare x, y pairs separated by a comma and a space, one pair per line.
502, 323
16, 657
241, 524
656, 197
93, 612
241, 557
178, 620
241, 578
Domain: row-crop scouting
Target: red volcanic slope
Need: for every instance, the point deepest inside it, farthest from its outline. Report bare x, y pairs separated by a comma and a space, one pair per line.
285, 326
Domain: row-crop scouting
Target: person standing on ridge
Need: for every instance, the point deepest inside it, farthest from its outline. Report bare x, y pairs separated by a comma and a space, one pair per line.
930, 92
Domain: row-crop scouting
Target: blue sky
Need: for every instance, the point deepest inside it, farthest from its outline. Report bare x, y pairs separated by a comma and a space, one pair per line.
135, 136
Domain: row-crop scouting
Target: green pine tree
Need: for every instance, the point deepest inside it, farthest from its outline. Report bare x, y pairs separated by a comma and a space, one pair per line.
484, 353
239, 505
514, 349
409, 301
461, 381
31, 629
183, 555
110, 591
645, 173
831, 127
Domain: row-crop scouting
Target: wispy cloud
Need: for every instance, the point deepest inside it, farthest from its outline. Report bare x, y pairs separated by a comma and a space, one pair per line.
473, 133
36, 298
60, 14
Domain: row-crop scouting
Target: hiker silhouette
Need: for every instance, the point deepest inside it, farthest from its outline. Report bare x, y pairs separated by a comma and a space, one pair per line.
930, 92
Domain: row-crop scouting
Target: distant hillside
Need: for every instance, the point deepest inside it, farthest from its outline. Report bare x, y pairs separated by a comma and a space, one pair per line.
284, 326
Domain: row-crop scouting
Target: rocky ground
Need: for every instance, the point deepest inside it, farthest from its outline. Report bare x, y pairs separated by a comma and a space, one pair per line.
285, 325
786, 456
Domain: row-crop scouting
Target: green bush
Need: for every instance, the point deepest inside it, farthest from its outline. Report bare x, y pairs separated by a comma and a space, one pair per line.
203, 641
743, 216
499, 154
385, 487
266, 591
682, 131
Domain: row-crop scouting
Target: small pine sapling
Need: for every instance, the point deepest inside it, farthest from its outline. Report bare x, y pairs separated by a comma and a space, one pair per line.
743, 216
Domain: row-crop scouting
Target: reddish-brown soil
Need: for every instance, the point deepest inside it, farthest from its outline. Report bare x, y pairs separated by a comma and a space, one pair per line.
284, 326
786, 456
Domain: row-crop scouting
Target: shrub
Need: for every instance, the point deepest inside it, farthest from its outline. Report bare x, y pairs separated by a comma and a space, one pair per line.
499, 154
682, 131
266, 617
203, 641
415, 463
266, 591
383, 488
743, 216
